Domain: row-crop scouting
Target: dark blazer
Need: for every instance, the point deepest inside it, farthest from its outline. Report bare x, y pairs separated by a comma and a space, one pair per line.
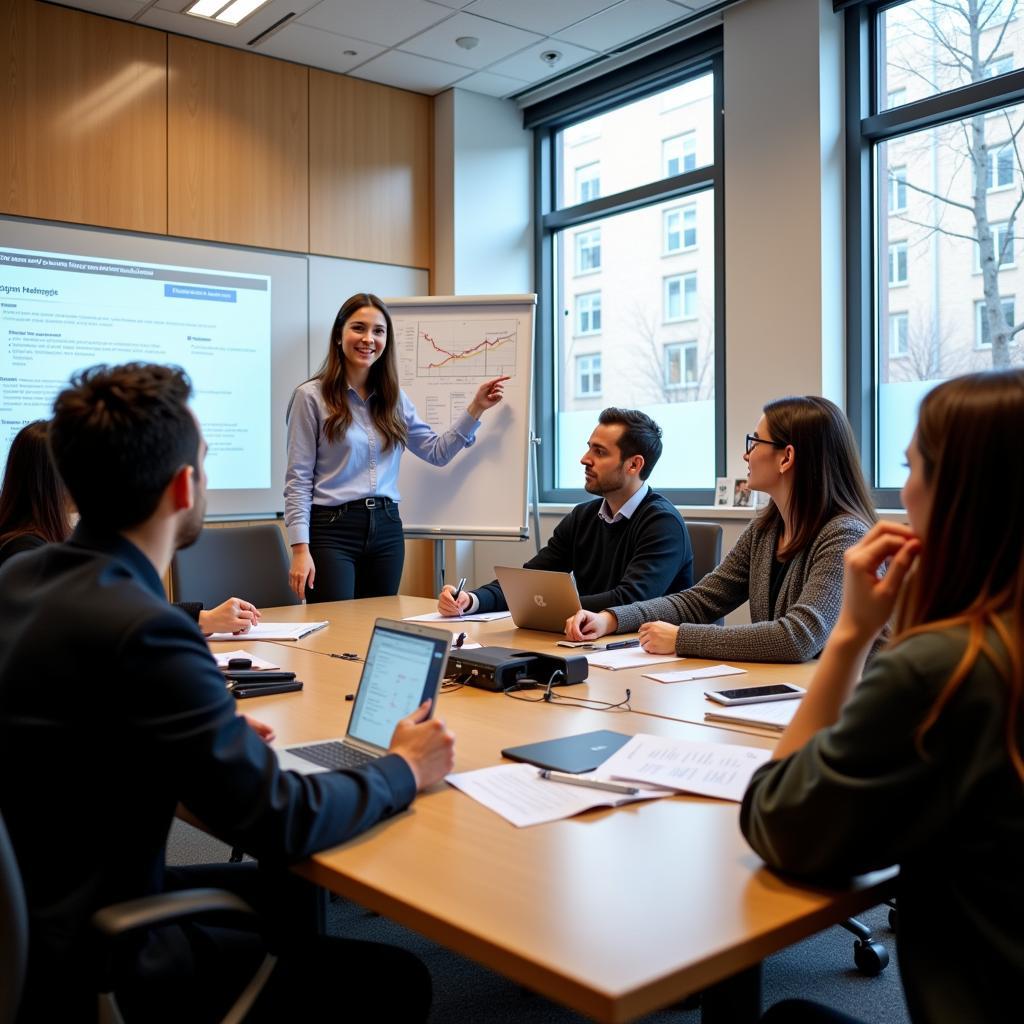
112, 711
16, 545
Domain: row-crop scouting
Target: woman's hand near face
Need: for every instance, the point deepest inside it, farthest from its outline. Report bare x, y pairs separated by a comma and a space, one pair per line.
487, 396
868, 599
658, 637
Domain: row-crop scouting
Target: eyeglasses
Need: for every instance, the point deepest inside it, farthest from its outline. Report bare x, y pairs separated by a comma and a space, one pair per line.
753, 439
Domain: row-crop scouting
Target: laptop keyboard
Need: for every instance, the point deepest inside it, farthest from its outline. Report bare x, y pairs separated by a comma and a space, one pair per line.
334, 755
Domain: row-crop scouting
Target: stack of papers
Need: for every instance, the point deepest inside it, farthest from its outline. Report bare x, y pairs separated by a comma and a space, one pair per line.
775, 715
273, 631
628, 657
708, 769
521, 796
694, 673
456, 619
223, 657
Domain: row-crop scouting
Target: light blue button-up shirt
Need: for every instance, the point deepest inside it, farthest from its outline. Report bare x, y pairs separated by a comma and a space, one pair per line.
627, 510
356, 466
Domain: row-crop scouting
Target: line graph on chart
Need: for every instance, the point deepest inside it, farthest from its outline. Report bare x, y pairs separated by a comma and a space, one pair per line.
466, 348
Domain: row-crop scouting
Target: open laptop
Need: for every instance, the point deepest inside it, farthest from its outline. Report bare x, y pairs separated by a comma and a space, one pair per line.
404, 666
538, 598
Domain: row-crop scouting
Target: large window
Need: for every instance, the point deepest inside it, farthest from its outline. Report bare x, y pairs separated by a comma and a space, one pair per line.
934, 190
630, 262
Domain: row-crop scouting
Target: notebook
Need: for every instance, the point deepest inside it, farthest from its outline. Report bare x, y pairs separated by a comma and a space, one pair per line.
582, 753
404, 666
538, 598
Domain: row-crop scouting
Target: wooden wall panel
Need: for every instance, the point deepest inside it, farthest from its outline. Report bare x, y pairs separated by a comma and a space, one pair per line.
370, 162
237, 147
82, 118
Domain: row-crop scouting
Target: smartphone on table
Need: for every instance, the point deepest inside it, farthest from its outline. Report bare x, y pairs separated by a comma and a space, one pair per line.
756, 694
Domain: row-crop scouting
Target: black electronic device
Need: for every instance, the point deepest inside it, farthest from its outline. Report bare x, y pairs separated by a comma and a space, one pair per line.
498, 668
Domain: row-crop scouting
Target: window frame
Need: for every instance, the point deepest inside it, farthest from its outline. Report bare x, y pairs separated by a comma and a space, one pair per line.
869, 123
591, 331
669, 67
682, 347
578, 360
578, 247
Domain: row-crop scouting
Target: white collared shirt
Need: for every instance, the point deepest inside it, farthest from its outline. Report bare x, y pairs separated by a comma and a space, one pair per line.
605, 512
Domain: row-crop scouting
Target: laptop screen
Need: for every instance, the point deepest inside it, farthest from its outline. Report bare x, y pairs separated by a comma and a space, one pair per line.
402, 670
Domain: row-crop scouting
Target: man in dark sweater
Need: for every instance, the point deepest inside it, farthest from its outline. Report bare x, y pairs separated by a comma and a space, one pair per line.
631, 543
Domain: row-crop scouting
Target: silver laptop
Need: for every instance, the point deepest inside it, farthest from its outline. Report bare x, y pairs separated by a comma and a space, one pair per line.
404, 666
538, 598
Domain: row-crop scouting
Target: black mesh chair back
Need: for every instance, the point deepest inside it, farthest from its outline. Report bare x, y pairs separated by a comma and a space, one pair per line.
250, 562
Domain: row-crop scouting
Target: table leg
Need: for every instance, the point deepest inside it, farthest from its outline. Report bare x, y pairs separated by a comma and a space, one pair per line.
736, 1000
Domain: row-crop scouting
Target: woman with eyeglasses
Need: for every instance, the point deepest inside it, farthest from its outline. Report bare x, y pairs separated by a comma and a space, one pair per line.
347, 430
919, 760
788, 563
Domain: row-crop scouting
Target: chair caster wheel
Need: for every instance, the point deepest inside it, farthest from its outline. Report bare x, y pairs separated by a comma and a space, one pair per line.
870, 957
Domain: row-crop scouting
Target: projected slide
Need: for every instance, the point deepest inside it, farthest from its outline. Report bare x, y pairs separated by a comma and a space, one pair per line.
61, 313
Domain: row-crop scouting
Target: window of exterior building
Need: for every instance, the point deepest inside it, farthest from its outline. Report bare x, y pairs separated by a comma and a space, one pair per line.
911, 179
588, 251
654, 139
681, 366
588, 375
588, 313
588, 182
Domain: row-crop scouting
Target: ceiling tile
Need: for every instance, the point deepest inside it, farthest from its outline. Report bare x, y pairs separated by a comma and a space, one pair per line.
611, 28
492, 85
124, 9
496, 41
530, 68
452, 4
318, 48
378, 21
214, 31
407, 71
544, 16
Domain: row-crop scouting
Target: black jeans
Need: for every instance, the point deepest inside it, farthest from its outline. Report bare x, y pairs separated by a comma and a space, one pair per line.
357, 551
194, 972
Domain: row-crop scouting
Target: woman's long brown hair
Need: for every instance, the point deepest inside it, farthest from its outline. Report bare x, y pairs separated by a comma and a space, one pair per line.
33, 499
971, 569
829, 480
382, 380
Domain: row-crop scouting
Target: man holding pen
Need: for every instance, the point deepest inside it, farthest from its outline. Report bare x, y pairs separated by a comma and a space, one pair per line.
629, 543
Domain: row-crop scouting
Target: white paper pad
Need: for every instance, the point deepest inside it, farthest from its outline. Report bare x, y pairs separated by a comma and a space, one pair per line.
628, 657
456, 619
694, 673
273, 631
775, 714
521, 796
223, 657
708, 769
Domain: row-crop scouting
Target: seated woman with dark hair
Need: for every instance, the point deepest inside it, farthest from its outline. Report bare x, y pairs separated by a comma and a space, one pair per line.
35, 509
920, 761
788, 562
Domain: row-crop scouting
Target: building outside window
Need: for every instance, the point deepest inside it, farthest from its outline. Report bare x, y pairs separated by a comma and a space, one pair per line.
681, 370
588, 251
679, 154
588, 182
913, 181
588, 375
681, 228
588, 313
680, 297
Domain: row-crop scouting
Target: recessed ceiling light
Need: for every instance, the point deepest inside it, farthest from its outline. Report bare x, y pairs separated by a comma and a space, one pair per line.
227, 12
467, 42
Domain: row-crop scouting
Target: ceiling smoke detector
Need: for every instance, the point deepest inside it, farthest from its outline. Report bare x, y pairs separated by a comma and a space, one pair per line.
551, 57
467, 42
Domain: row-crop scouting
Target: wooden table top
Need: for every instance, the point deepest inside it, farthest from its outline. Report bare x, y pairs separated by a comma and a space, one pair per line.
615, 912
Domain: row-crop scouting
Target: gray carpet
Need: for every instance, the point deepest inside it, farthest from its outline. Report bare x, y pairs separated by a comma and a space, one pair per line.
820, 968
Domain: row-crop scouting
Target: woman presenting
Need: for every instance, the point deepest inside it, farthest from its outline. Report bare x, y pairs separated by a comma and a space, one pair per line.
347, 429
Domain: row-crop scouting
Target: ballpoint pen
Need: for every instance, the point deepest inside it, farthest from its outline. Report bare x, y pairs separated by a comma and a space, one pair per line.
616, 644
458, 590
575, 780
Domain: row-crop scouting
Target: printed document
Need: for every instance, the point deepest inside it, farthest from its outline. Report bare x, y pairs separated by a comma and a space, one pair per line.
628, 657
694, 673
456, 619
273, 631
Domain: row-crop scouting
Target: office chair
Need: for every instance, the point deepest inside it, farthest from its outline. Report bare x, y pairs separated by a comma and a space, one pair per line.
110, 923
706, 541
250, 562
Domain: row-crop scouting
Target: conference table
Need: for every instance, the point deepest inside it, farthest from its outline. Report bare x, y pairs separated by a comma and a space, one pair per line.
613, 913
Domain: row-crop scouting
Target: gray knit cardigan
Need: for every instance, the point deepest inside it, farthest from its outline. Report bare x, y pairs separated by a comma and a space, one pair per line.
807, 606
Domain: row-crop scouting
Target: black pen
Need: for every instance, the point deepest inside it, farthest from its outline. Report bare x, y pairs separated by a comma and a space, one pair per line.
616, 644
458, 590
575, 780
241, 692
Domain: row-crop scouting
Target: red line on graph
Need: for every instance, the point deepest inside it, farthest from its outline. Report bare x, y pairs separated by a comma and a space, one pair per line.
485, 344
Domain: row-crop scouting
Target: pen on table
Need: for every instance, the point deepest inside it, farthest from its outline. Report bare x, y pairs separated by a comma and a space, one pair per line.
575, 780
458, 590
616, 644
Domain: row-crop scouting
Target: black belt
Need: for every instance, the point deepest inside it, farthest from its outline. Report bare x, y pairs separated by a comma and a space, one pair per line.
372, 502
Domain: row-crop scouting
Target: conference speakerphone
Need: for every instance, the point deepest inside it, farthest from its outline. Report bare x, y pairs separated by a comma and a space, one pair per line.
498, 668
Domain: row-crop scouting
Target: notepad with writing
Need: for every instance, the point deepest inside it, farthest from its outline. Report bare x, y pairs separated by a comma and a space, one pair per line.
775, 714
273, 631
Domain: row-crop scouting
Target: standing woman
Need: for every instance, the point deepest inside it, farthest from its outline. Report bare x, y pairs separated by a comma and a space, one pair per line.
34, 506
788, 562
920, 761
347, 429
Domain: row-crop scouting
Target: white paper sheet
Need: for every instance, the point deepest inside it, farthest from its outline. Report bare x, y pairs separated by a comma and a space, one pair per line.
456, 619
273, 631
521, 796
694, 673
709, 769
629, 657
223, 657
776, 714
